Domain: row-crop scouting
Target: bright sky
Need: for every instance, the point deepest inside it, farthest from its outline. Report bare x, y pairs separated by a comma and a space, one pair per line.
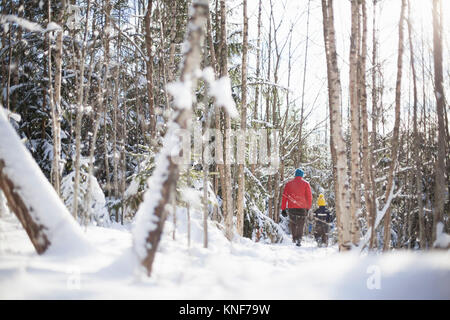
294, 12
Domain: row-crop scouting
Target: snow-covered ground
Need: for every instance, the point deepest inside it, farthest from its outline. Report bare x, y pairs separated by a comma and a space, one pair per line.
240, 270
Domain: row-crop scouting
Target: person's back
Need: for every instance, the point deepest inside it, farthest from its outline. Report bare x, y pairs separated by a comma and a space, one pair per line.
297, 200
297, 194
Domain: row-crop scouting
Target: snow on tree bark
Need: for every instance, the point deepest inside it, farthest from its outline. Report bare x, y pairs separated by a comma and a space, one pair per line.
241, 175
355, 168
226, 184
153, 211
32, 198
416, 145
439, 193
395, 137
337, 142
369, 195
149, 64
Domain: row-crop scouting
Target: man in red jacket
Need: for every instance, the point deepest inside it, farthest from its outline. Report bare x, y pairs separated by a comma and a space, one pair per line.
297, 200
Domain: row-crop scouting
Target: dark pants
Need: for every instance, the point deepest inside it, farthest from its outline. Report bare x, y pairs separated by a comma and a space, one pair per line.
321, 233
323, 216
297, 218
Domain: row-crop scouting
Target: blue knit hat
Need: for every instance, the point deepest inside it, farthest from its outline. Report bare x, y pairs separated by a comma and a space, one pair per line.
299, 173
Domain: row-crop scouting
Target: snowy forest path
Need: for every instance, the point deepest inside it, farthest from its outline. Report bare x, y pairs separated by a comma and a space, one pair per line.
242, 269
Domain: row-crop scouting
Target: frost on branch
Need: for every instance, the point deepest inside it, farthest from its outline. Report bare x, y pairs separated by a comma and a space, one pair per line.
220, 90
181, 93
162, 184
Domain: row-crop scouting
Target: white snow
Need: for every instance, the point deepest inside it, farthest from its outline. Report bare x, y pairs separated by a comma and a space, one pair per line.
442, 239
15, 116
182, 94
239, 270
39, 196
24, 23
220, 89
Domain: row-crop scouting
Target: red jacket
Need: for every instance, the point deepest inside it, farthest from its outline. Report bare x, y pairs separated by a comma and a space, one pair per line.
297, 194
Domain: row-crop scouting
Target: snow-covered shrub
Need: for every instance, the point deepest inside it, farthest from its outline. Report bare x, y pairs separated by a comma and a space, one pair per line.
98, 212
259, 227
138, 183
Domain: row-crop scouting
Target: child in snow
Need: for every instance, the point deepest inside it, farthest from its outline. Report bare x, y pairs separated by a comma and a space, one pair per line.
323, 218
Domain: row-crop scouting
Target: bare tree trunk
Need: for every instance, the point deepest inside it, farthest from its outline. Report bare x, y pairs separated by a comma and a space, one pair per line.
337, 143
395, 137
269, 179
123, 175
369, 195
439, 192
355, 199
98, 110
213, 62
205, 165
416, 150
373, 213
241, 175
106, 66
57, 96
54, 172
167, 173
149, 63
10, 64
173, 34
161, 56
115, 131
258, 64
258, 74
302, 108
227, 192
79, 117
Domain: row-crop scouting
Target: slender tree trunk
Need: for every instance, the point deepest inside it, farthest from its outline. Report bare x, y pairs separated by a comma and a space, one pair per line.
173, 34
149, 64
258, 63
227, 192
337, 143
161, 55
439, 192
416, 150
269, 58
241, 175
98, 110
10, 64
106, 66
367, 152
115, 152
167, 173
57, 95
395, 137
373, 213
302, 108
54, 174
213, 61
258, 75
79, 117
355, 199
205, 163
